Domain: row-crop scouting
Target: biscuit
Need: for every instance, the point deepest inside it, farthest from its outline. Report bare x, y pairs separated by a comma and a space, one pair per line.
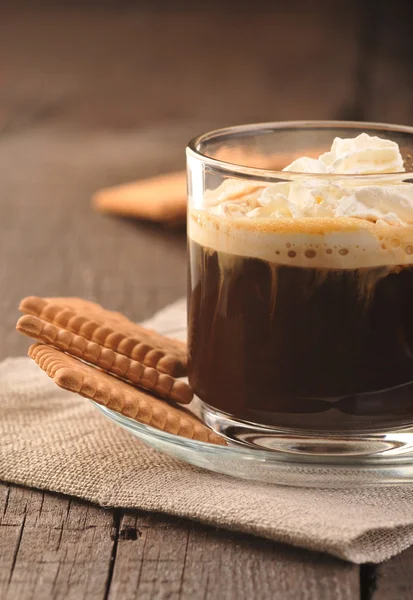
80, 378
111, 330
117, 364
161, 198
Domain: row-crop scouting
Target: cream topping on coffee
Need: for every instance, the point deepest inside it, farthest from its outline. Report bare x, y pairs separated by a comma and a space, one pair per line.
360, 155
314, 221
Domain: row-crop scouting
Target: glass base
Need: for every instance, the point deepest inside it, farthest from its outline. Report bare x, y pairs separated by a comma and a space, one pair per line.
396, 442
273, 466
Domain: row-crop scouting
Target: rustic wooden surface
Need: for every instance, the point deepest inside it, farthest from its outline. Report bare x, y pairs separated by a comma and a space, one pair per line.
90, 97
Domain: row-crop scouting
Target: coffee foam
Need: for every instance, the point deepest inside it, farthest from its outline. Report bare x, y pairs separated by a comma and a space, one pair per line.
316, 222
330, 243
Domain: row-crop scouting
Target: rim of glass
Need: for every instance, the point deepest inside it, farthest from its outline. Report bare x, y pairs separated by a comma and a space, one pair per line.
193, 151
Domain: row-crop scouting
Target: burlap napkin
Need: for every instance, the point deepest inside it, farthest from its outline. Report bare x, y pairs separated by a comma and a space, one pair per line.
57, 441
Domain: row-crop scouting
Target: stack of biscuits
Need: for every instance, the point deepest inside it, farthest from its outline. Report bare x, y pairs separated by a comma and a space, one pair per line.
105, 357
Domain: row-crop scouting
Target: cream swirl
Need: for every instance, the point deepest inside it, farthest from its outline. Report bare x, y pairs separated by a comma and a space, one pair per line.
390, 203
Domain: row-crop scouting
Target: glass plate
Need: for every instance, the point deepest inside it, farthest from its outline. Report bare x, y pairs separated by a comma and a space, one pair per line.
282, 467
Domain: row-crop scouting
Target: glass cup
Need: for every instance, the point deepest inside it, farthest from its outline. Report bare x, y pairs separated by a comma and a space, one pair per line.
300, 321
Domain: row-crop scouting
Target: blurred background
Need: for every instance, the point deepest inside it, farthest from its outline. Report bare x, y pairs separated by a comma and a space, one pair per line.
96, 93
127, 64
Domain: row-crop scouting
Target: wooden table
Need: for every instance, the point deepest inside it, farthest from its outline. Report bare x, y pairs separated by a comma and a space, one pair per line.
93, 97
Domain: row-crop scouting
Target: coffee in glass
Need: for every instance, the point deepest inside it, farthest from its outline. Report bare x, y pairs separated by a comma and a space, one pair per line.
301, 281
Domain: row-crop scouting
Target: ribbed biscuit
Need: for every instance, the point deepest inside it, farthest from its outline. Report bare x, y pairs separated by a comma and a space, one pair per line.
161, 198
111, 330
117, 364
78, 377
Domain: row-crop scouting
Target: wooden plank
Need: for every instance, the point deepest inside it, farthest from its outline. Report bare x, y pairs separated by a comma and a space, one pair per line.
53, 547
393, 579
161, 557
10, 535
149, 559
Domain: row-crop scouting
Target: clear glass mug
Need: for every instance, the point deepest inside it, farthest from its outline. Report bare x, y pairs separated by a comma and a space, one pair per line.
298, 326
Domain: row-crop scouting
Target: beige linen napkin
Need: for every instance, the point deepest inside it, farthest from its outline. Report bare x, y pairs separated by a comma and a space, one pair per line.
54, 440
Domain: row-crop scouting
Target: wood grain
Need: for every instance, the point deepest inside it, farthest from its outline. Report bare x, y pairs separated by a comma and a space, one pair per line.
53, 547
161, 557
393, 579
56, 547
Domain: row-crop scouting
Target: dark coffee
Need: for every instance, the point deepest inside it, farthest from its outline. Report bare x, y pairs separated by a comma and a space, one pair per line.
301, 347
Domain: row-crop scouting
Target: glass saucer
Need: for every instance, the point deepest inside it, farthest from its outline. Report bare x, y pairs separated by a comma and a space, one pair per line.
283, 465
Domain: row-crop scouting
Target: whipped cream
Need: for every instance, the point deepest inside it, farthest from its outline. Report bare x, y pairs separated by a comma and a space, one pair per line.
316, 197
340, 222
359, 156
